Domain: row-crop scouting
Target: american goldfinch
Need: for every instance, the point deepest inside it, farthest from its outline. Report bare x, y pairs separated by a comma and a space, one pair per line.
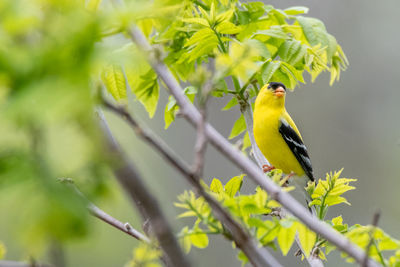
276, 134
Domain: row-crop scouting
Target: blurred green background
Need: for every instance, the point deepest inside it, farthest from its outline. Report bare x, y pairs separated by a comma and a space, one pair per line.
353, 124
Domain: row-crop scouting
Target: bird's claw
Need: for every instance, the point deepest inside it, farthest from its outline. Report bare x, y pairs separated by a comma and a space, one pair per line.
267, 168
285, 180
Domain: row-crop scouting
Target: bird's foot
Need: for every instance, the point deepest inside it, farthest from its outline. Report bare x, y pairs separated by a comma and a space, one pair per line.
285, 180
267, 168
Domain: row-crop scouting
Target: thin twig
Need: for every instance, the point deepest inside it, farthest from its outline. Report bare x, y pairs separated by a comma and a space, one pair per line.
257, 256
200, 146
223, 145
248, 117
124, 227
201, 140
105, 217
375, 220
131, 181
23, 264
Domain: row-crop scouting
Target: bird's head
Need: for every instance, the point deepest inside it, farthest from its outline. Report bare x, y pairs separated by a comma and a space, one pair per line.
272, 94
277, 89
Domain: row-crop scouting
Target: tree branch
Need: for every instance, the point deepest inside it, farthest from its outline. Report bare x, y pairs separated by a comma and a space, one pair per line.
200, 146
124, 227
23, 264
375, 220
105, 217
131, 181
245, 109
256, 255
215, 138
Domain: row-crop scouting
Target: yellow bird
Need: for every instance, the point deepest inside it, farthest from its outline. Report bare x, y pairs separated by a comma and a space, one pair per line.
276, 134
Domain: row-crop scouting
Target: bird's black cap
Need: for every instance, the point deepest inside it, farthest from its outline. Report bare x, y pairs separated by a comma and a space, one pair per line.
275, 85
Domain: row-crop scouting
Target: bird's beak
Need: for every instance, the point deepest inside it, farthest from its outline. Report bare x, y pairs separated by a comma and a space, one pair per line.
279, 92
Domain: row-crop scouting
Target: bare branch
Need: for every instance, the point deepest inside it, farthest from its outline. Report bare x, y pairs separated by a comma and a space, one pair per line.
131, 181
105, 217
375, 220
248, 117
23, 264
201, 140
124, 227
257, 256
215, 138
200, 147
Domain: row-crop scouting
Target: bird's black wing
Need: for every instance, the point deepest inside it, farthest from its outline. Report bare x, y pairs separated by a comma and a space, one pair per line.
297, 146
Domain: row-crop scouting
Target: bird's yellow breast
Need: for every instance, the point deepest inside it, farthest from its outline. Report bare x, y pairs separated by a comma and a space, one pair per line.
270, 141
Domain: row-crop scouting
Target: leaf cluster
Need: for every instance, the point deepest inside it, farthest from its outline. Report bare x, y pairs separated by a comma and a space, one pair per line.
248, 43
261, 216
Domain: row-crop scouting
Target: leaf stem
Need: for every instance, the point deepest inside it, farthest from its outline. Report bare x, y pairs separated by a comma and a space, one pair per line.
381, 259
236, 84
223, 48
203, 219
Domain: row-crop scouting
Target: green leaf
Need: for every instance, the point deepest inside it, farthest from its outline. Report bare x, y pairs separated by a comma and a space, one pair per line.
292, 51
284, 77
261, 197
268, 70
296, 10
337, 220
286, 237
332, 46
274, 31
169, 112
114, 80
188, 213
233, 102
145, 88
242, 257
295, 74
314, 30
199, 21
260, 47
171, 108
199, 239
238, 128
227, 27
201, 43
185, 240
256, 222
216, 186
334, 200
145, 255
225, 16
268, 233
307, 238
234, 185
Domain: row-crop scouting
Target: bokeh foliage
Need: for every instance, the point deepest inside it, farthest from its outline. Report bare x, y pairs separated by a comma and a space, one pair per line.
47, 57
